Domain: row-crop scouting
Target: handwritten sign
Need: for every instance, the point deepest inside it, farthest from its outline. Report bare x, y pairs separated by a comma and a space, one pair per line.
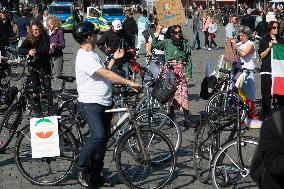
44, 137
170, 12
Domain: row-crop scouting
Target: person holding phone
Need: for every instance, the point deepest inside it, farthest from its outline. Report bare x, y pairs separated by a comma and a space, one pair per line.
272, 37
37, 46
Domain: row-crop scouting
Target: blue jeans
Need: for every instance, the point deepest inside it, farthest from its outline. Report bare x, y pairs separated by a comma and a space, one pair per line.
195, 39
93, 152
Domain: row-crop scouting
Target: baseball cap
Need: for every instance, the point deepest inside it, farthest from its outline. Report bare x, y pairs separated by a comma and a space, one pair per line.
116, 25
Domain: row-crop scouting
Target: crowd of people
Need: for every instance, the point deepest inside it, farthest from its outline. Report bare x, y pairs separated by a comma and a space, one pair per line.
41, 38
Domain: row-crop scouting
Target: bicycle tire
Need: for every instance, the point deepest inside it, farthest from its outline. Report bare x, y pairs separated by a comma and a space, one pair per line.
9, 127
208, 138
39, 170
216, 104
218, 163
160, 121
122, 154
202, 152
17, 71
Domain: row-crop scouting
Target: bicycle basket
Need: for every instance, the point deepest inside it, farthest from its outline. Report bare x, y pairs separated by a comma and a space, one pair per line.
163, 91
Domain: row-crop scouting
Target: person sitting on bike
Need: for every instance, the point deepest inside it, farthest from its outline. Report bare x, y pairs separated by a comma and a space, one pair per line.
94, 81
177, 53
247, 55
36, 46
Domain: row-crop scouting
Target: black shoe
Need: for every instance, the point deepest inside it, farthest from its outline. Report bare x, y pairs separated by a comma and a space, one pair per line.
198, 48
83, 178
100, 181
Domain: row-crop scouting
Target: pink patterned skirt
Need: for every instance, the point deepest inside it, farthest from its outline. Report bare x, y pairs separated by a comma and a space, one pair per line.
180, 99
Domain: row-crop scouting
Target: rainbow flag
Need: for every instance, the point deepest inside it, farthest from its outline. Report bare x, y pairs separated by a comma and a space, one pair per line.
277, 69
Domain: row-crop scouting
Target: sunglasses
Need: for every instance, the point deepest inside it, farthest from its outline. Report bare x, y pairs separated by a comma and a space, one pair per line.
177, 32
276, 27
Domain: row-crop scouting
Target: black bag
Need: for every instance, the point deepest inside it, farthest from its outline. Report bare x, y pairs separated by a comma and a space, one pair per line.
163, 91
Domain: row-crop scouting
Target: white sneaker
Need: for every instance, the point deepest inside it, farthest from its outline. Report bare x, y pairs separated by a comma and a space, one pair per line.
209, 49
216, 48
205, 48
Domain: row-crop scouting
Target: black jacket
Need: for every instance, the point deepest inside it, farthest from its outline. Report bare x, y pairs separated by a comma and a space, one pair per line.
6, 31
42, 47
271, 146
261, 28
129, 26
248, 21
109, 39
263, 45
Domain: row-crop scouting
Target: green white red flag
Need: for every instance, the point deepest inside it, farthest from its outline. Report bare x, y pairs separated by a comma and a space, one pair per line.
277, 69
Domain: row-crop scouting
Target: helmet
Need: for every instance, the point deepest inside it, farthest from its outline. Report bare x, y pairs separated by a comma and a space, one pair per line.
83, 30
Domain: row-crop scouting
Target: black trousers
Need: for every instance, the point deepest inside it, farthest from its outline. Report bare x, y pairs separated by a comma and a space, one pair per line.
39, 81
266, 83
206, 35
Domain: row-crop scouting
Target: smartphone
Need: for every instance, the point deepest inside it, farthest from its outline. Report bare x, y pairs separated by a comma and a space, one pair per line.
121, 44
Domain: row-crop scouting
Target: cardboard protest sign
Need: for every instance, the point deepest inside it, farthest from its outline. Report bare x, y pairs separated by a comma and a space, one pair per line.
44, 137
170, 12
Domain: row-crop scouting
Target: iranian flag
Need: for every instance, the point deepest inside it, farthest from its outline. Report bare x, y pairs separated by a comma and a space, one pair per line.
277, 69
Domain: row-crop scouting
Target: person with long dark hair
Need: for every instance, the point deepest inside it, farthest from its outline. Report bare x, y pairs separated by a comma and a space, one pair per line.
265, 45
36, 46
177, 54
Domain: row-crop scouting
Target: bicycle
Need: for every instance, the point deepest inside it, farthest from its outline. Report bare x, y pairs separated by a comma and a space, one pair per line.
230, 164
24, 101
14, 60
132, 147
150, 116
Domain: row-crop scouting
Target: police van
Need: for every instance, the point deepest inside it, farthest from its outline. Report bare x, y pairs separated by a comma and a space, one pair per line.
65, 12
103, 18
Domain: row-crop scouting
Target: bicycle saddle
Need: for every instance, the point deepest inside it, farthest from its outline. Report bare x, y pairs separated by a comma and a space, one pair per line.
70, 79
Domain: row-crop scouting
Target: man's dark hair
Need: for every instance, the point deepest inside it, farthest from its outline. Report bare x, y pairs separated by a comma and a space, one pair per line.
24, 13
144, 12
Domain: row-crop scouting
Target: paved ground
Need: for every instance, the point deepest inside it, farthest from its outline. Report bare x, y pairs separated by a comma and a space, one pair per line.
184, 176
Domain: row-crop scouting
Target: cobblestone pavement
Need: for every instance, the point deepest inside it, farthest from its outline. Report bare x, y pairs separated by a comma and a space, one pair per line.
184, 176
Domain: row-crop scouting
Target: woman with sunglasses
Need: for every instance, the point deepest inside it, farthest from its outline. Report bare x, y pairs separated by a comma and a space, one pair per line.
265, 45
177, 52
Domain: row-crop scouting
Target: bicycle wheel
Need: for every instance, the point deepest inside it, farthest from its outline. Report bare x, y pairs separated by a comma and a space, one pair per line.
163, 123
17, 71
223, 104
203, 151
9, 125
138, 171
227, 170
49, 170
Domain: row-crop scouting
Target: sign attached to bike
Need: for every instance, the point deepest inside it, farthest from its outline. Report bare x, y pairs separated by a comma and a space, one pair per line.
170, 12
44, 137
